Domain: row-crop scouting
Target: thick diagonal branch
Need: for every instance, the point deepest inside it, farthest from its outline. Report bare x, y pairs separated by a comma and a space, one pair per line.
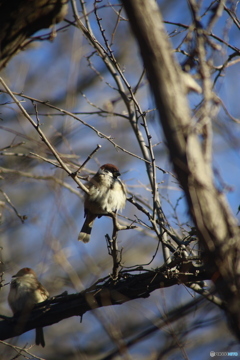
107, 293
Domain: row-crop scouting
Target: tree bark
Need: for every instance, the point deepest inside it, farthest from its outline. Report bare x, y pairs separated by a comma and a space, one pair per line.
20, 19
215, 224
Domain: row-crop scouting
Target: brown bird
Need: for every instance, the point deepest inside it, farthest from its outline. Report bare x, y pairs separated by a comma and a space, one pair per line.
25, 292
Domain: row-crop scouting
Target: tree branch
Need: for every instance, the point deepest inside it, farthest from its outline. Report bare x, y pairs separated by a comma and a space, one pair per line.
216, 226
129, 287
16, 28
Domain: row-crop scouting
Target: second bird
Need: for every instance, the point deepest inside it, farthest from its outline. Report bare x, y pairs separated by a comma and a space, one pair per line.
107, 194
25, 292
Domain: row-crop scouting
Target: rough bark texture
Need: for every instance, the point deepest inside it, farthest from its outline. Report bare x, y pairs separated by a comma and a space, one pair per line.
20, 19
216, 226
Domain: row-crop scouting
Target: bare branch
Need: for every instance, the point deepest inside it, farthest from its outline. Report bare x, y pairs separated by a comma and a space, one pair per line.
99, 133
6, 197
127, 288
44, 138
21, 351
215, 224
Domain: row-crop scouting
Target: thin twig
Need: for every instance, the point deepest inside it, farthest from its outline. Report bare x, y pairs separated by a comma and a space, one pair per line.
21, 217
21, 351
44, 138
115, 254
89, 157
40, 177
99, 133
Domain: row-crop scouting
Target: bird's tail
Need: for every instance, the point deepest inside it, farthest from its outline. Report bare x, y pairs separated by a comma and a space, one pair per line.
85, 233
39, 337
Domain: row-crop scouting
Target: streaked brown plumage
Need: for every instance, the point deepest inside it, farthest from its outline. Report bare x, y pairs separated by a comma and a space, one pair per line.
25, 292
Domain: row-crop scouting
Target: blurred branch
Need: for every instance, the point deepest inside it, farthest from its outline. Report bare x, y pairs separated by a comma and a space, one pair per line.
129, 287
233, 15
207, 294
40, 177
99, 133
227, 112
206, 112
159, 323
44, 138
21, 19
21, 351
6, 197
215, 224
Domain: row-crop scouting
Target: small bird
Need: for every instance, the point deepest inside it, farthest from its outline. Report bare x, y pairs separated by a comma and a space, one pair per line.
25, 292
107, 194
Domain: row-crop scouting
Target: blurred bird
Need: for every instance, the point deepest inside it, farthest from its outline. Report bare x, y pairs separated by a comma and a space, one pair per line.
107, 194
25, 292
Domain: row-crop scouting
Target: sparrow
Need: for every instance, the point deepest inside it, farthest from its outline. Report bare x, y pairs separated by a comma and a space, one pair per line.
107, 194
25, 292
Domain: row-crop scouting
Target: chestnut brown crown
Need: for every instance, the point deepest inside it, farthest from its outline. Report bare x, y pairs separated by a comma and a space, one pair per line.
111, 168
25, 271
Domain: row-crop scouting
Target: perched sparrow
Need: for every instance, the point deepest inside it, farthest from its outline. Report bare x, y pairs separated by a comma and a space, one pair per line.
25, 292
106, 194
